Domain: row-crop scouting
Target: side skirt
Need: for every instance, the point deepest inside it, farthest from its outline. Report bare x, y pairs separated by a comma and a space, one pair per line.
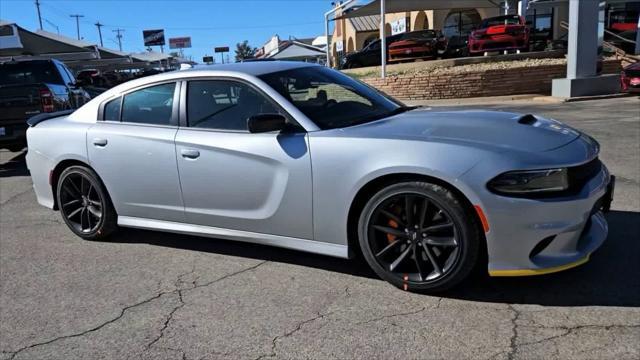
311, 246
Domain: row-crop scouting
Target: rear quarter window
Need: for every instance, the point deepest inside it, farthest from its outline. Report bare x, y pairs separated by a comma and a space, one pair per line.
112, 110
29, 72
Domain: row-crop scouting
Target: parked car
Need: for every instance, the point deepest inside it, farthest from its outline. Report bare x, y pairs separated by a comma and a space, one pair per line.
228, 152
500, 33
418, 45
630, 78
29, 87
369, 55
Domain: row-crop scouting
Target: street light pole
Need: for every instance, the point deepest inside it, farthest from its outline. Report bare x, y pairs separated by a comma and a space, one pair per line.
77, 23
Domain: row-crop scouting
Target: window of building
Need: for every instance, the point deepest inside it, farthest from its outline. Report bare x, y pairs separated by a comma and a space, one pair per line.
460, 23
224, 104
151, 105
541, 24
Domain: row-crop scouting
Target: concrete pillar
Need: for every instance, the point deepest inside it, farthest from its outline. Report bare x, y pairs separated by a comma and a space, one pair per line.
583, 39
522, 7
582, 55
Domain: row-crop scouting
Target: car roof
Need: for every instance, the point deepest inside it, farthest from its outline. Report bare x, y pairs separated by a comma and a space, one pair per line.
255, 67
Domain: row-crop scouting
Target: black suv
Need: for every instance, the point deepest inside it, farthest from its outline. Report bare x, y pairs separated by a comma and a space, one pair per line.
29, 87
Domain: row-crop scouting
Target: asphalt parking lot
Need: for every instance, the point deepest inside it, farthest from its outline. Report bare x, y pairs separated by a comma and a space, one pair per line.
149, 295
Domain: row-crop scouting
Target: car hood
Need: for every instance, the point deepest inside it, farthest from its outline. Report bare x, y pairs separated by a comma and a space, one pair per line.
510, 131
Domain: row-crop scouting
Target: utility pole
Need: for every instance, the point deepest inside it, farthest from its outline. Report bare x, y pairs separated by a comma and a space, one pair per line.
98, 25
39, 17
77, 23
119, 36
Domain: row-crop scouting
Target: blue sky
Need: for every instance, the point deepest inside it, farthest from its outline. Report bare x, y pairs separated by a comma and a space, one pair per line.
210, 23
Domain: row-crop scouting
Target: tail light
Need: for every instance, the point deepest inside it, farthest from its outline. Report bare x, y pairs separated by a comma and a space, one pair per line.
46, 97
623, 81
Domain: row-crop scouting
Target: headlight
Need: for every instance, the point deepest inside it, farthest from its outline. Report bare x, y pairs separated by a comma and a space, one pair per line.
530, 182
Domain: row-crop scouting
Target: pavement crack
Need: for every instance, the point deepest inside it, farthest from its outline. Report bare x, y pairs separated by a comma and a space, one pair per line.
513, 345
391, 316
147, 300
14, 196
93, 329
180, 290
253, 267
274, 341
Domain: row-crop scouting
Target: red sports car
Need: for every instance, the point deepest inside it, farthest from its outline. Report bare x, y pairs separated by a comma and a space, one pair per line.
418, 45
508, 32
630, 78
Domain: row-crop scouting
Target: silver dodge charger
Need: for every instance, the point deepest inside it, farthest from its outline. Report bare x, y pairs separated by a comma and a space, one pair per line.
304, 157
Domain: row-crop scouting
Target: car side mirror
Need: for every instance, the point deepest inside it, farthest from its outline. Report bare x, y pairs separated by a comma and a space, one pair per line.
262, 123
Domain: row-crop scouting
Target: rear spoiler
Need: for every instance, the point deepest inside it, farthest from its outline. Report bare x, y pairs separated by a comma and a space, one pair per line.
35, 120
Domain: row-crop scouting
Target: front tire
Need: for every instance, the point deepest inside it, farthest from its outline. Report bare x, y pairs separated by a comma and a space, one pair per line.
419, 236
84, 204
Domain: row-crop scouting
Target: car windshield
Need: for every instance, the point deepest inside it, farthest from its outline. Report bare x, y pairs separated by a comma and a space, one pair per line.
28, 72
426, 34
331, 99
500, 20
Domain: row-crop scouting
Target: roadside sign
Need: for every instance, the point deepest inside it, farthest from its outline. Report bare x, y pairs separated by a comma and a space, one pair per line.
339, 46
221, 49
153, 37
180, 42
207, 59
399, 26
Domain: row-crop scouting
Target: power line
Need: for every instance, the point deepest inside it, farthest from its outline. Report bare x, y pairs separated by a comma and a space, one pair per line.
98, 25
119, 37
52, 24
77, 16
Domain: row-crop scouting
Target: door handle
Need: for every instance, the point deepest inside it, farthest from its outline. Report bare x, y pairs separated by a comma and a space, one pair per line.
190, 153
100, 142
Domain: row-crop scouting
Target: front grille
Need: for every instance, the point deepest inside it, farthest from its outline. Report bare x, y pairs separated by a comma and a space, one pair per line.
581, 174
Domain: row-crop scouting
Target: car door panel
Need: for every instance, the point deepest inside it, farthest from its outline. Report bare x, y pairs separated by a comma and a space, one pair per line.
137, 164
251, 182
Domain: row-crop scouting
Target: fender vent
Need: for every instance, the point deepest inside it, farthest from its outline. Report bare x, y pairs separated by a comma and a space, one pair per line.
527, 119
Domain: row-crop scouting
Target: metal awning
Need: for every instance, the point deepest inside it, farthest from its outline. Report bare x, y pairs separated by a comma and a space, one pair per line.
365, 23
26, 43
396, 6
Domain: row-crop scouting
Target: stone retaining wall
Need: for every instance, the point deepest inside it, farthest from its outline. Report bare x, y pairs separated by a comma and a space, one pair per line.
481, 83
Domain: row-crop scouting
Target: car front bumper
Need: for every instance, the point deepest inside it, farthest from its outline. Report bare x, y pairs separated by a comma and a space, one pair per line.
540, 236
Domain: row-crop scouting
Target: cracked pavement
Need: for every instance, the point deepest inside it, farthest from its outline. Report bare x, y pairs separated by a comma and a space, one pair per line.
149, 295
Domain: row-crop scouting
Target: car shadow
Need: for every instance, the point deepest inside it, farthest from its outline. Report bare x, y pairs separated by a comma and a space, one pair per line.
610, 278
16, 166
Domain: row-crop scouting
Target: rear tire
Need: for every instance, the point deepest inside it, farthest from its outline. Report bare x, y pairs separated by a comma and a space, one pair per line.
419, 237
84, 204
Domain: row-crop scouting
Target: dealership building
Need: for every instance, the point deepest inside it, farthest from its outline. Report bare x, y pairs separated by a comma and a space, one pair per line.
357, 26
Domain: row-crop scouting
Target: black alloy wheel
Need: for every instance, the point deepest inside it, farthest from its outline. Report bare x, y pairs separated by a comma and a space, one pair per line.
418, 236
84, 204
